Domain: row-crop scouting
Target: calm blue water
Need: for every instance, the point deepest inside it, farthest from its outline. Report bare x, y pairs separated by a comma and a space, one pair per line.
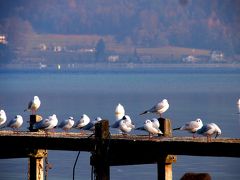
208, 94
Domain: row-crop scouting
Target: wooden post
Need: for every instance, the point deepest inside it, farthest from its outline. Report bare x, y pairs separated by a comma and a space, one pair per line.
36, 157
36, 165
99, 158
33, 119
164, 164
165, 127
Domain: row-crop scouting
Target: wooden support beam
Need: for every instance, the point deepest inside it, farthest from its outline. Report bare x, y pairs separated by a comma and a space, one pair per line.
99, 158
36, 165
164, 164
36, 156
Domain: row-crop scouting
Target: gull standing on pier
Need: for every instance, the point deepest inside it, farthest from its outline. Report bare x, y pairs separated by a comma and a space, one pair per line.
126, 125
191, 126
33, 105
151, 126
209, 130
119, 112
3, 117
83, 121
16, 123
159, 108
47, 124
238, 105
91, 125
67, 124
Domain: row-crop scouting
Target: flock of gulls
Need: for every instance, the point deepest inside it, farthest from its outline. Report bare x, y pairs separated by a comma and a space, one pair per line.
123, 122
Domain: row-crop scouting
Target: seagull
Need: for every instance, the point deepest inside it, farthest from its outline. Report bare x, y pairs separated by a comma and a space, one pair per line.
3, 117
119, 112
126, 125
117, 122
91, 125
67, 124
16, 123
154, 121
191, 126
151, 126
84, 120
34, 105
47, 124
209, 130
238, 104
159, 108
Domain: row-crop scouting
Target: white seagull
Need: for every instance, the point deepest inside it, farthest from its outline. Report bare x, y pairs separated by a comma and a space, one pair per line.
191, 126
209, 130
159, 108
33, 105
119, 112
16, 123
151, 126
91, 125
47, 124
126, 125
67, 124
3, 117
83, 121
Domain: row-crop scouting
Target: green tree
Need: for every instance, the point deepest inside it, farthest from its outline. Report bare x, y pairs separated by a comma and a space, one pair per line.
100, 50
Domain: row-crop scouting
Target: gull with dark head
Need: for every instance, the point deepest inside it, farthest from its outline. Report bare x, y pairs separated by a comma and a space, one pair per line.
159, 108
192, 126
126, 125
33, 105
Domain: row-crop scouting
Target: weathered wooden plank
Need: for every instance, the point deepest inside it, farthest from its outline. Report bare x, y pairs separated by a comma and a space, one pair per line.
149, 151
135, 146
25, 142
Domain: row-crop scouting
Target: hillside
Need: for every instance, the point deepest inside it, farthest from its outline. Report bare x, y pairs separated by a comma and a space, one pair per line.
133, 31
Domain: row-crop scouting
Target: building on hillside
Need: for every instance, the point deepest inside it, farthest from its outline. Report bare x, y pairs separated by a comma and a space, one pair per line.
3, 39
190, 59
217, 56
113, 58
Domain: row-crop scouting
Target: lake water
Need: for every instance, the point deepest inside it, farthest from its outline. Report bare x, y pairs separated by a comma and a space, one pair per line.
209, 94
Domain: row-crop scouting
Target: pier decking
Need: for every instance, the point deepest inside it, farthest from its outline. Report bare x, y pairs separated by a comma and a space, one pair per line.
110, 150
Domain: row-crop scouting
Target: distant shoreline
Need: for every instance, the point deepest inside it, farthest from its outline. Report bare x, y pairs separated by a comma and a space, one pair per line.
116, 66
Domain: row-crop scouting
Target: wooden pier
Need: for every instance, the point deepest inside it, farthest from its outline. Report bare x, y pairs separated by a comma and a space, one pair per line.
107, 149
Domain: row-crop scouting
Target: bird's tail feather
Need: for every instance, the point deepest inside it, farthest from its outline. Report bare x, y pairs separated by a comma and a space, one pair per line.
144, 112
